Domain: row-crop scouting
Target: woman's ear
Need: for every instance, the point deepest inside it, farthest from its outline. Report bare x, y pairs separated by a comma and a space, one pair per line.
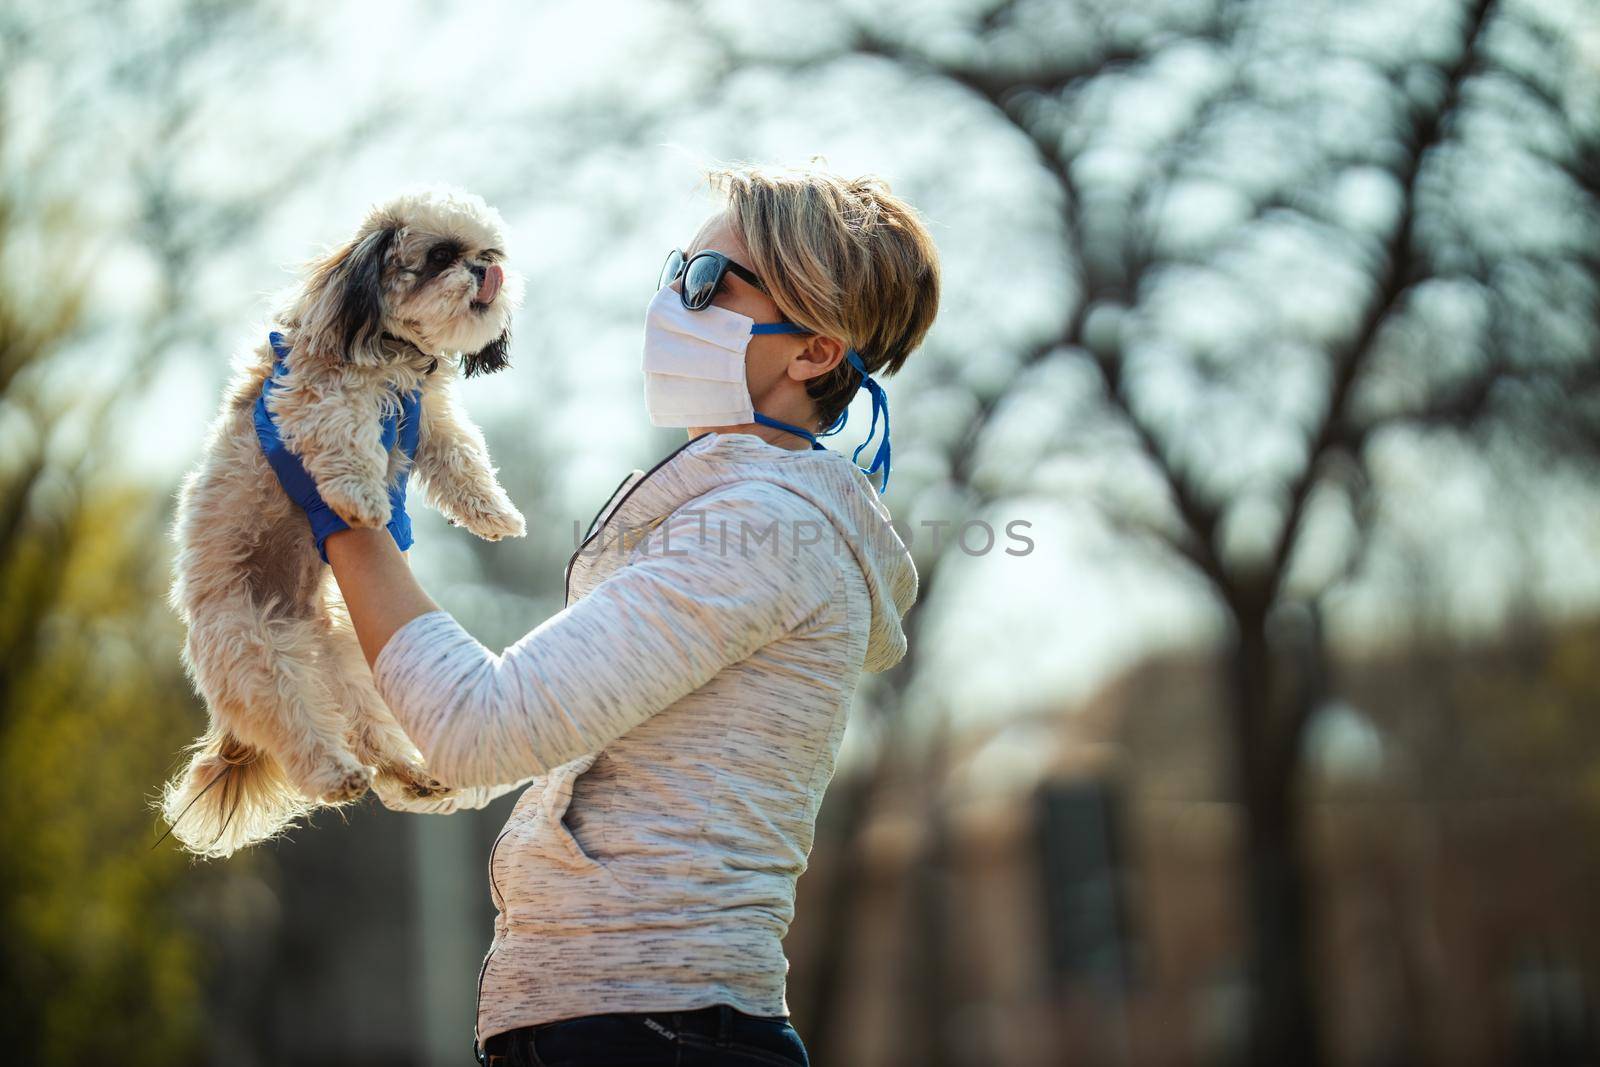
342, 317
819, 356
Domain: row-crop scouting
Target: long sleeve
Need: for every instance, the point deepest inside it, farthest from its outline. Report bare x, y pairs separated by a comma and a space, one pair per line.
697, 599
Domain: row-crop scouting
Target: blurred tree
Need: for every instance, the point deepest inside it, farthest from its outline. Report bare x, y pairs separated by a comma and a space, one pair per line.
98, 962
101, 963
1299, 236
105, 956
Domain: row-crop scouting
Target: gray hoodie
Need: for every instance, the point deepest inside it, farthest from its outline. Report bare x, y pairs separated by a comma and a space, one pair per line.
680, 718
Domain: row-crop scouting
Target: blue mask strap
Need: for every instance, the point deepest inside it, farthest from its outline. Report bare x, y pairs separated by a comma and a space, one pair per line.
767, 420
779, 424
838, 424
879, 400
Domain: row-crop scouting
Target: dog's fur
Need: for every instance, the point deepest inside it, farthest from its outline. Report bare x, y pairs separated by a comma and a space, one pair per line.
294, 718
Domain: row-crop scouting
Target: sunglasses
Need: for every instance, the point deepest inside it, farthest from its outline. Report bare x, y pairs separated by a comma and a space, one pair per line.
702, 275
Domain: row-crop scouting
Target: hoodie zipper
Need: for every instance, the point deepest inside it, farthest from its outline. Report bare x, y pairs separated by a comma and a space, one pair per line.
500, 905
596, 526
566, 596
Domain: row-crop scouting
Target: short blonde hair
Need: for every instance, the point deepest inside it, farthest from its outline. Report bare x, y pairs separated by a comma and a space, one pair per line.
841, 256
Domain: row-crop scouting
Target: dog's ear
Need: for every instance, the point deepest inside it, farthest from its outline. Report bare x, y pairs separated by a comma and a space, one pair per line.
343, 306
490, 358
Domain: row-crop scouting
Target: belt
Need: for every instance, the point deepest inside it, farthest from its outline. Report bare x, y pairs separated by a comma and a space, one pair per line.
715, 1022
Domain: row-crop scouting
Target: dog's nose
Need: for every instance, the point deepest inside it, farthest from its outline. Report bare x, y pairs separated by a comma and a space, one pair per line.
478, 271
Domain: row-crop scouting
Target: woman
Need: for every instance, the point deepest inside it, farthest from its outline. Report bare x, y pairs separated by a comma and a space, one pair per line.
683, 712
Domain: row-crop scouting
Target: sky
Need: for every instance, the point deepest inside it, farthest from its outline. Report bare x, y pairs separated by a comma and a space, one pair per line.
526, 104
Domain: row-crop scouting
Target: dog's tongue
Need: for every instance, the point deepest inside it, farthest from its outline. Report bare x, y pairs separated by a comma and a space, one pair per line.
491, 284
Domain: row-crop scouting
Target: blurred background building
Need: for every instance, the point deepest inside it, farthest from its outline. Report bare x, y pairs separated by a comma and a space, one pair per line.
1272, 325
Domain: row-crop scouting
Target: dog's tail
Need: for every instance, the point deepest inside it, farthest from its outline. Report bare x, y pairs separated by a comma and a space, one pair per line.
228, 797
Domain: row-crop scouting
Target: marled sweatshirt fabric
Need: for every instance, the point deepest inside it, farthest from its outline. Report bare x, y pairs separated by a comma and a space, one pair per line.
680, 718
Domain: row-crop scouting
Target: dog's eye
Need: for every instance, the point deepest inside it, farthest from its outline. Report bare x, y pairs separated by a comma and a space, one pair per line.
440, 255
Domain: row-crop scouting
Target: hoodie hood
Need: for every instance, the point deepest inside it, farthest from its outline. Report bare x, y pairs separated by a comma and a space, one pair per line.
824, 478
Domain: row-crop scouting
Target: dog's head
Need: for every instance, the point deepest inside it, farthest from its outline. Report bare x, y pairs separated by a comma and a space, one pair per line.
425, 266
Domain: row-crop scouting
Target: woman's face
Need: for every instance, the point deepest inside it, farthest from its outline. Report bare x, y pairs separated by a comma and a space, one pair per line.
735, 294
777, 366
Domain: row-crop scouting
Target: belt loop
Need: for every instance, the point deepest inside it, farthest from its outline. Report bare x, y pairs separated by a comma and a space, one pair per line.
724, 1024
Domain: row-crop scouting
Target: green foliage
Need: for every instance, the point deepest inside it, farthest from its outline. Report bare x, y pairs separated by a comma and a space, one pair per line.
100, 963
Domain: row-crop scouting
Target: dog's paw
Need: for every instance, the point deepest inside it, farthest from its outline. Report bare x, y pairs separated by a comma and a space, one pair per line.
495, 522
407, 787
338, 781
408, 781
356, 500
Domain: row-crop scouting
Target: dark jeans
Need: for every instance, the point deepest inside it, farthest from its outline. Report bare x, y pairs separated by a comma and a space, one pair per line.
705, 1037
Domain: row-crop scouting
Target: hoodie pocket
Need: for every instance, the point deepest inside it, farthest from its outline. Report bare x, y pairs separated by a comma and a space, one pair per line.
553, 838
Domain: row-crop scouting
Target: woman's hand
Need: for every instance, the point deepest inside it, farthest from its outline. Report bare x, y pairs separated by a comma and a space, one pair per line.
403, 427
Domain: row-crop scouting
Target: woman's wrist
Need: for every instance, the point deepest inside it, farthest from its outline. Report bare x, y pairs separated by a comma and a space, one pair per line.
353, 542
379, 589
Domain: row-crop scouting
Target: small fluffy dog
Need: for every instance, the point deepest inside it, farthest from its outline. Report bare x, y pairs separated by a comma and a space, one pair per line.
415, 298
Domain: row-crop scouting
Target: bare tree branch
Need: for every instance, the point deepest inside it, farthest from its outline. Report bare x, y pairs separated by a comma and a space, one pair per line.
1401, 272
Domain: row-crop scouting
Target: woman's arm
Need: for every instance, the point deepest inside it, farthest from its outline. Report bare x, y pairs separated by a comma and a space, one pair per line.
656, 630
377, 583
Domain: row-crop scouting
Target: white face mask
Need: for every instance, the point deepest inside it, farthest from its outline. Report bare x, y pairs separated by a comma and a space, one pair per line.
694, 372
694, 364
